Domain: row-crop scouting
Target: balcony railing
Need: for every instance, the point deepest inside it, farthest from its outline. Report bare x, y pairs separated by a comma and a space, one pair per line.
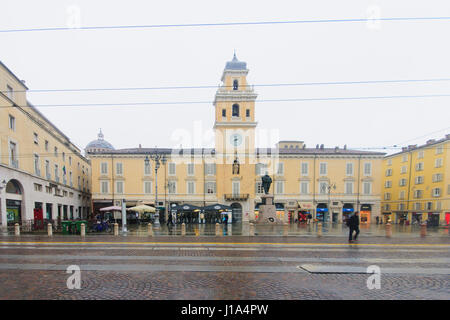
236, 196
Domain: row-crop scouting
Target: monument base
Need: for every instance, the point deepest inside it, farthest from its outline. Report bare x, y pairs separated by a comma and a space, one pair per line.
267, 211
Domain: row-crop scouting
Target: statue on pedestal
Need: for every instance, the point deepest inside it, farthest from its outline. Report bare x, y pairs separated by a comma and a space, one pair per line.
266, 182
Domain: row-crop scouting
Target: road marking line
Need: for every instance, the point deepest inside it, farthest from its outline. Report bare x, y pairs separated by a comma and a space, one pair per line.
227, 243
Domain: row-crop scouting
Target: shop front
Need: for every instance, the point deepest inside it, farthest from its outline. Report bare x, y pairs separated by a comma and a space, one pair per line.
401, 217
305, 209
13, 211
433, 219
347, 210
387, 216
416, 218
322, 212
366, 210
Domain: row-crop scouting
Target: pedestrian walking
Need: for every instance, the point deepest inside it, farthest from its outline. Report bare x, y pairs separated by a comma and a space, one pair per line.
353, 224
169, 219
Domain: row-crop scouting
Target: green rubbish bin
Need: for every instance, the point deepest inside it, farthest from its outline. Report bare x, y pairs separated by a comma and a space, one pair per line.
78, 226
66, 226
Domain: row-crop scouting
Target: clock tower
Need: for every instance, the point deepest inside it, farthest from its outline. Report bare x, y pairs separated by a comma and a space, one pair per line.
234, 104
234, 129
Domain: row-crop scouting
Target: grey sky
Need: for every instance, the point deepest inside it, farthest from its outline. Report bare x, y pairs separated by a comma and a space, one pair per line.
196, 56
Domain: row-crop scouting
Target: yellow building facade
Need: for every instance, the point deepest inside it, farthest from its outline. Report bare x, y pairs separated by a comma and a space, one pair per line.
328, 183
416, 184
40, 168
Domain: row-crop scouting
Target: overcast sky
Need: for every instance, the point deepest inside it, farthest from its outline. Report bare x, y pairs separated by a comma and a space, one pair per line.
289, 53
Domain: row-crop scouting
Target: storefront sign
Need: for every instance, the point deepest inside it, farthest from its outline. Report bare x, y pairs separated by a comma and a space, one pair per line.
305, 205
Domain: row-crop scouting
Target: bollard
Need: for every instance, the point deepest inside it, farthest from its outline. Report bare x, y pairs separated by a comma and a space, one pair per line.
217, 229
82, 230
319, 229
116, 229
183, 229
388, 230
17, 229
150, 230
423, 230
285, 229
49, 230
252, 229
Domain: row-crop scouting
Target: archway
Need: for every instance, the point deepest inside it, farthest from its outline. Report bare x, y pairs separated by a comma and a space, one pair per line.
14, 202
236, 209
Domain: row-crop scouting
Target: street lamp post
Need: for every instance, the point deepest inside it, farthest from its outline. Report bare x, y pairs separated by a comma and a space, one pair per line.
158, 158
329, 187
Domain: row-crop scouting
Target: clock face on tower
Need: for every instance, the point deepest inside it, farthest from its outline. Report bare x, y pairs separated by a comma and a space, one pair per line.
236, 139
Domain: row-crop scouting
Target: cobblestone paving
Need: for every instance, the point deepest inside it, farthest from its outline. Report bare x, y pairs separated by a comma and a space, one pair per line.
207, 253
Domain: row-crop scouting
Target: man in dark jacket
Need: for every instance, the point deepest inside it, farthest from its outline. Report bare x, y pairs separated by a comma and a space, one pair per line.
353, 224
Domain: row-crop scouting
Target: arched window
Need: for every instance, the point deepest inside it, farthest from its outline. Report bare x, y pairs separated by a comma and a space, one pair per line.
235, 84
235, 112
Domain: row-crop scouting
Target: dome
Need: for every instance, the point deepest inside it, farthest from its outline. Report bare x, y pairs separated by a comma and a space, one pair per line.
99, 144
235, 64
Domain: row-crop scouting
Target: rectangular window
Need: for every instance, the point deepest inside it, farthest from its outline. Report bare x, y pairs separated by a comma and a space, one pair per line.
172, 187
210, 187
13, 155
437, 177
46, 145
417, 206
439, 149
304, 187
37, 169
236, 187
9, 92
401, 196
389, 162
56, 151
64, 156
247, 113
147, 187
418, 193
367, 169
420, 155
70, 162
304, 168
323, 169
436, 192
280, 187
349, 169
261, 169
104, 186
388, 172
12, 123
56, 173
388, 184
280, 169
190, 169
429, 206
147, 169
119, 187
70, 179
35, 138
119, 169
190, 187
323, 187
419, 180
438, 205
224, 113
367, 188
404, 169
172, 169
210, 169
438, 163
47, 169
349, 188
405, 158
419, 166
387, 196
104, 168
402, 182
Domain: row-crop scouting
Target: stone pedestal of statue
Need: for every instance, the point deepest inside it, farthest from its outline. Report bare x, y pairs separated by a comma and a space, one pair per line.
267, 211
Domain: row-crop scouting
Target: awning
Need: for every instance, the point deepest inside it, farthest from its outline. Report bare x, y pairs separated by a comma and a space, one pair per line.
217, 207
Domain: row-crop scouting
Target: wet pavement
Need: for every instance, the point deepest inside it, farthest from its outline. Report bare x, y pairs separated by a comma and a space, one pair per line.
137, 266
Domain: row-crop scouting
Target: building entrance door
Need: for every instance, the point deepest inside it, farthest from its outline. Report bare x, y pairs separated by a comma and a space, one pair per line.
236, 212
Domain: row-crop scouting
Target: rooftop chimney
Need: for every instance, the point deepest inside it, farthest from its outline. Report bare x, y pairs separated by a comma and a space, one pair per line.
431, 141
404, 148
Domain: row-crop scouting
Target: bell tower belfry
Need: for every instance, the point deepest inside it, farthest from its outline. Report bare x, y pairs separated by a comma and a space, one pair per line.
234, 104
